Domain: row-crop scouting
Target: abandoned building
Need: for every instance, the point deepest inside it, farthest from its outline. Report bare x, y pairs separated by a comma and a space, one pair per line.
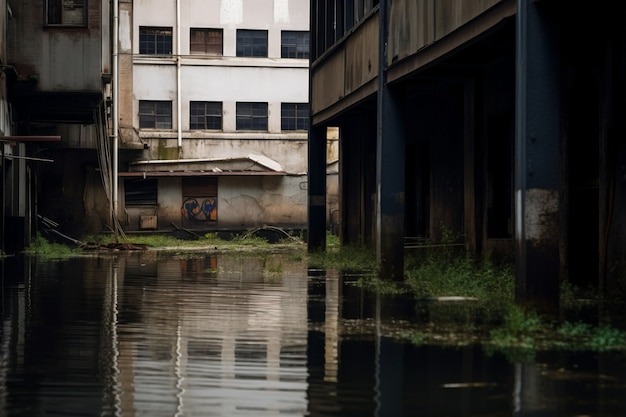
168, 113
217, 94
497, 121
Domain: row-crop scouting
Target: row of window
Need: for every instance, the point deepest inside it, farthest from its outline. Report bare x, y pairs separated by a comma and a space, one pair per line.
209, 41
207, 115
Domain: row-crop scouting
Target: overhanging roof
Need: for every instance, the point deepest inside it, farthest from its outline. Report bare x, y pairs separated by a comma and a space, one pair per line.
250, 165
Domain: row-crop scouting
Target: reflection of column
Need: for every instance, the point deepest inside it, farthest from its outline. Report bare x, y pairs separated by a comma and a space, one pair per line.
529, 393
126, 377
125, 348
180, 369
272, 365
228, 358
331, 328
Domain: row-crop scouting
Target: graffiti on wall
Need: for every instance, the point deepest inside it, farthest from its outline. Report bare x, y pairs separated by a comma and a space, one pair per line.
200, 209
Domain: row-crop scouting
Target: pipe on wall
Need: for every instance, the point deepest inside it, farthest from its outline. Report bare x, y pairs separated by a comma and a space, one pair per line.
115, 135
178, 82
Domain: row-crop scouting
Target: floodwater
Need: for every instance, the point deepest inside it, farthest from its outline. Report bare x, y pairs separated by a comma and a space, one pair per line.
149, 334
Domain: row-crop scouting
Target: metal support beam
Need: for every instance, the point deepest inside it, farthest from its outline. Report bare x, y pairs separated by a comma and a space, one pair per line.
390, 160
317, 189
537, 158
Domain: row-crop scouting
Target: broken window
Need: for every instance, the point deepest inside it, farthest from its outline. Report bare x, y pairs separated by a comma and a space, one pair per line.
206, 41
66, 12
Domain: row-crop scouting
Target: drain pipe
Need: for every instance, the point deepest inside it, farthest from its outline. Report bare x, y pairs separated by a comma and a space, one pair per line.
178, 81
115, 136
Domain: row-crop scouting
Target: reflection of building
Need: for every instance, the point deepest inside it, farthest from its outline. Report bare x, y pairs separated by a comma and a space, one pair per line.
212, 329
216, 96
477, 119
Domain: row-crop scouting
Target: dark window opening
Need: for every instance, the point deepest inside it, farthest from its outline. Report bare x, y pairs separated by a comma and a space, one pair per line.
252, 116
294, 116
251, 43
140, 192
155, 114
205, 115
294, 44
155, 40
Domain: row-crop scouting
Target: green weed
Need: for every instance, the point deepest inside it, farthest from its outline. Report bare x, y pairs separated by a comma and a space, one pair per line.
48, 250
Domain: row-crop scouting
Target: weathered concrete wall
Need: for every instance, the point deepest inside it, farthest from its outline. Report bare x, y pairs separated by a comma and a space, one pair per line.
249, 202
59, 58
290, 152
242, 202
223, 83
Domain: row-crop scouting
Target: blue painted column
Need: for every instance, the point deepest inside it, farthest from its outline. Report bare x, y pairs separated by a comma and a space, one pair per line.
537, 158
390, 161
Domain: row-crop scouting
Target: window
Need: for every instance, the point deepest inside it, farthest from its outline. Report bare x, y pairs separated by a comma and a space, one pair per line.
294, 116
155, 114
294, 45
206, 41
66, 12
252, 116
140, 192
252, 43
155, 40
205, 115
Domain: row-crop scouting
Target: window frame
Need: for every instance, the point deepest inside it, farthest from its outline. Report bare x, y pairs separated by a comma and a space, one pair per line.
206, 50
254, 113
208, 114
156, 113
151, 47
295, 47
249, 49
63, 5
300, 121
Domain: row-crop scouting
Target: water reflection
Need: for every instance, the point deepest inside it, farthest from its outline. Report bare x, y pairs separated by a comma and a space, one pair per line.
232, 335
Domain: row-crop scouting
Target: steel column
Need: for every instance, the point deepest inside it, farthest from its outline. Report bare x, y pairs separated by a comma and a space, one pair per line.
537, 158
390, 160
317, 189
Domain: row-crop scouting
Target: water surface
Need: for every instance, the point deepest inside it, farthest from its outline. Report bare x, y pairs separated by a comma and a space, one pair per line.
148, 334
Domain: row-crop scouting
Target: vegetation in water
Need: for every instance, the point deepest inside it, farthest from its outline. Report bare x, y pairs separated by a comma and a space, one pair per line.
49, 250
483, 312
347, 258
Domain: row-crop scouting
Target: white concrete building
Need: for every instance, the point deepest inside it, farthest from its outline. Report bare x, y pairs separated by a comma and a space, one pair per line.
213, 113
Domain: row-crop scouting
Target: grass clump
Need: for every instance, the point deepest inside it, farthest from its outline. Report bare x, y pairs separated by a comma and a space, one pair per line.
347, 258
43, 248
453, 273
